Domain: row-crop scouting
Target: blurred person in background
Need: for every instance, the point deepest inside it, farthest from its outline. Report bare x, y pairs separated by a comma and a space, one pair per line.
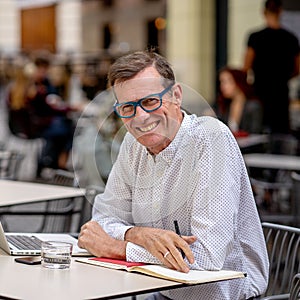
37, 111
19, 92
273, 55
237, 105
6, 71
67, 86
50, 116
60, 76
90, 82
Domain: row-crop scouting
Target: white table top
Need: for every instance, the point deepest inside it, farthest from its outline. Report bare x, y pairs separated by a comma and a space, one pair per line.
81, 281
18, 192
272, 161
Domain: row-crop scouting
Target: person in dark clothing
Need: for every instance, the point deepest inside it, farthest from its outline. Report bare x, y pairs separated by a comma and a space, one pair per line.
50, 120
273, 56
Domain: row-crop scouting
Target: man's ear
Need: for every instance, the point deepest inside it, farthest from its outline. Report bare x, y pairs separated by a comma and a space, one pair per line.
177, 90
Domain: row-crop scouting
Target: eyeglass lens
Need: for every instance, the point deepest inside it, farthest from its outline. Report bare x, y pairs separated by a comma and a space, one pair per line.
148, 104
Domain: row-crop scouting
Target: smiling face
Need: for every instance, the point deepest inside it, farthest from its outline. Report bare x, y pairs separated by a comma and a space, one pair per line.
155, 130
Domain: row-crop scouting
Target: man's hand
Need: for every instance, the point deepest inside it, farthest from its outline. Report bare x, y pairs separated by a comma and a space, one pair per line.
94, 239
163, 244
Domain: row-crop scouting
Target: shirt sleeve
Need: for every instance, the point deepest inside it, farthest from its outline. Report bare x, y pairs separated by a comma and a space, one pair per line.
221, 177
113, 209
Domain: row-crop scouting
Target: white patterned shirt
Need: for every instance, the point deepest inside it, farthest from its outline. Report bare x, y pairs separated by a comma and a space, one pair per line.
201, 180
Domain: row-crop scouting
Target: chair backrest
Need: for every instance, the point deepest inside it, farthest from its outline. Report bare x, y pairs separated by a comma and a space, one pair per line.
296, 197
295, 289
9, 164
283, 244
282, 144
65, 178
59, 214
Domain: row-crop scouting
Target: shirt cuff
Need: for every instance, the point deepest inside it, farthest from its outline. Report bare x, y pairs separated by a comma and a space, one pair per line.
137, 253
119, 232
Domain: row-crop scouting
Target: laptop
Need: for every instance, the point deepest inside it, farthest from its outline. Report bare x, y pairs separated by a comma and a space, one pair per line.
30, 243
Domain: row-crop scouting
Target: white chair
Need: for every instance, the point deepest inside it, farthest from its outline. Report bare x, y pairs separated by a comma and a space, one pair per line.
10, 164
31, 150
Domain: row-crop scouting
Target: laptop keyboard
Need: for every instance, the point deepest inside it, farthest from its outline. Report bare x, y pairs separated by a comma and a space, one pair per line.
25, 242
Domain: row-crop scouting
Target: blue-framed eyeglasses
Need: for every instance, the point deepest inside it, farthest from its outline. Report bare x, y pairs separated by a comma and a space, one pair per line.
149, 103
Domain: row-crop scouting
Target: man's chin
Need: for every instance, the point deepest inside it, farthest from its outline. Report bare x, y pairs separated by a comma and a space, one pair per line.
153, 141
149, 139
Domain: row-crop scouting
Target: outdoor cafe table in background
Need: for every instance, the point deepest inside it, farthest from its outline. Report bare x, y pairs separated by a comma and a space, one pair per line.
276, 162
252, 142
272, 161
18, 192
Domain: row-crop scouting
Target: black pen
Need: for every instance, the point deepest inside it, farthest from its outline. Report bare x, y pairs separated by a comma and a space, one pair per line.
177, 230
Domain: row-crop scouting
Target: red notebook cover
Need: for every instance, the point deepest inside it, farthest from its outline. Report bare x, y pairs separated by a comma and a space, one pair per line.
118, 261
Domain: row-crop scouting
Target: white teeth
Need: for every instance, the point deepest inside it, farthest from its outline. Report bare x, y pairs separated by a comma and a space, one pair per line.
148, 128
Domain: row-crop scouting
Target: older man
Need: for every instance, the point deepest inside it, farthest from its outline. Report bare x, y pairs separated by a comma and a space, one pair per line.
175, 166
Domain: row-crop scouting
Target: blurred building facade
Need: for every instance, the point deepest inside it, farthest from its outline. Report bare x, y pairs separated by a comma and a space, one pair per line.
197, 36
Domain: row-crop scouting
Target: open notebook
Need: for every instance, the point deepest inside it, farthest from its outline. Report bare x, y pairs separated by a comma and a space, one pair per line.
30, 243
193, 277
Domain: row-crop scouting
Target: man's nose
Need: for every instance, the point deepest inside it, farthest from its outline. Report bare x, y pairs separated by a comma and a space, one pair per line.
140, 112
